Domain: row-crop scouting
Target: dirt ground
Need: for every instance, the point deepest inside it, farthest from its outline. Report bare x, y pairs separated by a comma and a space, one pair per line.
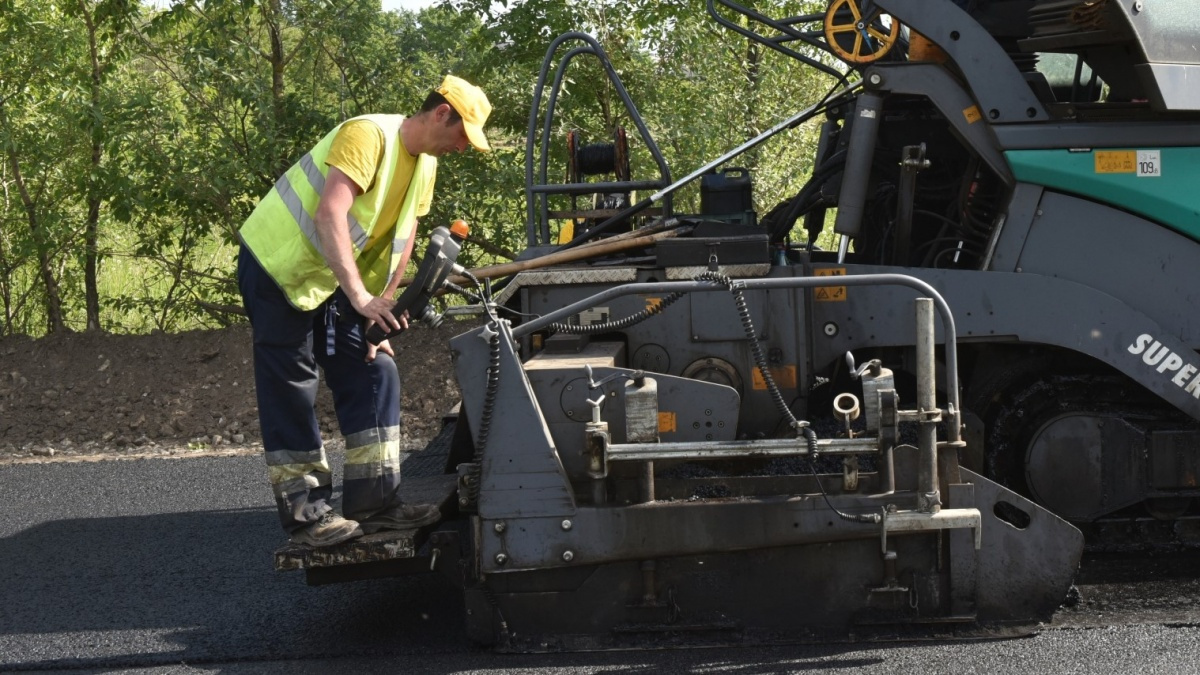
68, 396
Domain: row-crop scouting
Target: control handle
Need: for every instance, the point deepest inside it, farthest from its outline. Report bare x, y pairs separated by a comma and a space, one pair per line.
438, 263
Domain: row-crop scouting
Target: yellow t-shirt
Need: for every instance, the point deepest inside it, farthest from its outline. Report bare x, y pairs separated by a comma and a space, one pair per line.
356, 151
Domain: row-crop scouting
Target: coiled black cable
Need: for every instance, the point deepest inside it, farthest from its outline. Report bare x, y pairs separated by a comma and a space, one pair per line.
489, 397
810, 436
475, 477
619, 324
490, 595
596, 158
465, 292
756, 350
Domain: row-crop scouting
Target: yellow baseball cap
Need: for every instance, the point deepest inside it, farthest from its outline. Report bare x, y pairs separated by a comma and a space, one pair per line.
472, 104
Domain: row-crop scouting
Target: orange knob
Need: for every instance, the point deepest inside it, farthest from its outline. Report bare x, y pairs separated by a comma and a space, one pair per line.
459, 228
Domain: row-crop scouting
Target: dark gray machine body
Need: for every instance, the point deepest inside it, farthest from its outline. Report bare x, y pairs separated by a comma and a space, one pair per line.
664, 517
734, 436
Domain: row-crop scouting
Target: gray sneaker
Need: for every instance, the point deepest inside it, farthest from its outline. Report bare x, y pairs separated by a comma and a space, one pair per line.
402, 517
329, 529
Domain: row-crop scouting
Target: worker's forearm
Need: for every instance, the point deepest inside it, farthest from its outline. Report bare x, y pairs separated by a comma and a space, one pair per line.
339, 255
398, 275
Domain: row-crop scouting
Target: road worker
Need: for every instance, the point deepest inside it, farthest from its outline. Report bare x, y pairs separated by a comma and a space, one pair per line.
321, 257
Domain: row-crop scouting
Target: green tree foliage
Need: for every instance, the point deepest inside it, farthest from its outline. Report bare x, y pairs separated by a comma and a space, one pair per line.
135, 139
42, 143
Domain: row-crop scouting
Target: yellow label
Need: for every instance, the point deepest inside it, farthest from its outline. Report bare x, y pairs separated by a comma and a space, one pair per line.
830, 293
666, 422
784, 376
972, 114
652, 303
1122, 161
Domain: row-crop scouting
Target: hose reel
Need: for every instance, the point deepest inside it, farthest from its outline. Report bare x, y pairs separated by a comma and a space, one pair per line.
597, 159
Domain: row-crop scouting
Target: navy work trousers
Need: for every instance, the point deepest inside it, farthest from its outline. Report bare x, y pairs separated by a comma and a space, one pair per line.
289, 344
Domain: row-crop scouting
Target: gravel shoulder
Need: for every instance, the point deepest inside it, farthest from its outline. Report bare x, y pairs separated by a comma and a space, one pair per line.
94, 395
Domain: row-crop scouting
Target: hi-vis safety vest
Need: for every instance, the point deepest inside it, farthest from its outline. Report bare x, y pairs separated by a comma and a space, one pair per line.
282, 234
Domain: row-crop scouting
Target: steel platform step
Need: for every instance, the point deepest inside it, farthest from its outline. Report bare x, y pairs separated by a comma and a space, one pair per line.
382, 546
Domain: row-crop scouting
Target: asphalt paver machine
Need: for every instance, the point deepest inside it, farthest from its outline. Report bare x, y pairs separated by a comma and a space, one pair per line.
723, 434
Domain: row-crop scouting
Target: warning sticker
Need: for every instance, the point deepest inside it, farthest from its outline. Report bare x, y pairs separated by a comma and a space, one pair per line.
594, 315
830, 293
972, 114
1116, 161
666, 422
784, 376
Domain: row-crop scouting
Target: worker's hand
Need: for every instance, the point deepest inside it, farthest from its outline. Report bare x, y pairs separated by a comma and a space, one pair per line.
373, 350
378, 310
384, 346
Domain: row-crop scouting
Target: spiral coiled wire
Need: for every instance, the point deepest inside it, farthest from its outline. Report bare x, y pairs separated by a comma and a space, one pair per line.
490, 596
489, 396
619, 324
760, 360
465, 292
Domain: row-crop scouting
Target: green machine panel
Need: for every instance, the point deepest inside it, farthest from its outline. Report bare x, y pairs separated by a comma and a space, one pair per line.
1160, 184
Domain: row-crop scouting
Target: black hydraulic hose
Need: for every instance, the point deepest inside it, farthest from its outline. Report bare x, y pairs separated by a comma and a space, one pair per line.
783, 218
786, 33
593, 47
869, 518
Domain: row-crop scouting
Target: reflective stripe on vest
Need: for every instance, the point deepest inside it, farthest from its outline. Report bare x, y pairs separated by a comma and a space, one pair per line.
296, 206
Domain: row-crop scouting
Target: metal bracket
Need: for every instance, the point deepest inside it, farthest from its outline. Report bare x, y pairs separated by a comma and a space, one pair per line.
593, 384
596, 440
955, 103
468, 487
912, 162
916, 521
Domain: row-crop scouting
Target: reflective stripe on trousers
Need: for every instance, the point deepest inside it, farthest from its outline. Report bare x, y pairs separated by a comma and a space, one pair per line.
366, 399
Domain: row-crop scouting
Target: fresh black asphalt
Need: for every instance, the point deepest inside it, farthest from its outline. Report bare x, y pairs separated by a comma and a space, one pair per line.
164, 566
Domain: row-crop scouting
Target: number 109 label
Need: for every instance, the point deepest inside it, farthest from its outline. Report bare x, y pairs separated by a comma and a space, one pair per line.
1149, 163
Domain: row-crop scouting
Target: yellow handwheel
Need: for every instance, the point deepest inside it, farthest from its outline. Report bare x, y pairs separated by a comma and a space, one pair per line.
856, 38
